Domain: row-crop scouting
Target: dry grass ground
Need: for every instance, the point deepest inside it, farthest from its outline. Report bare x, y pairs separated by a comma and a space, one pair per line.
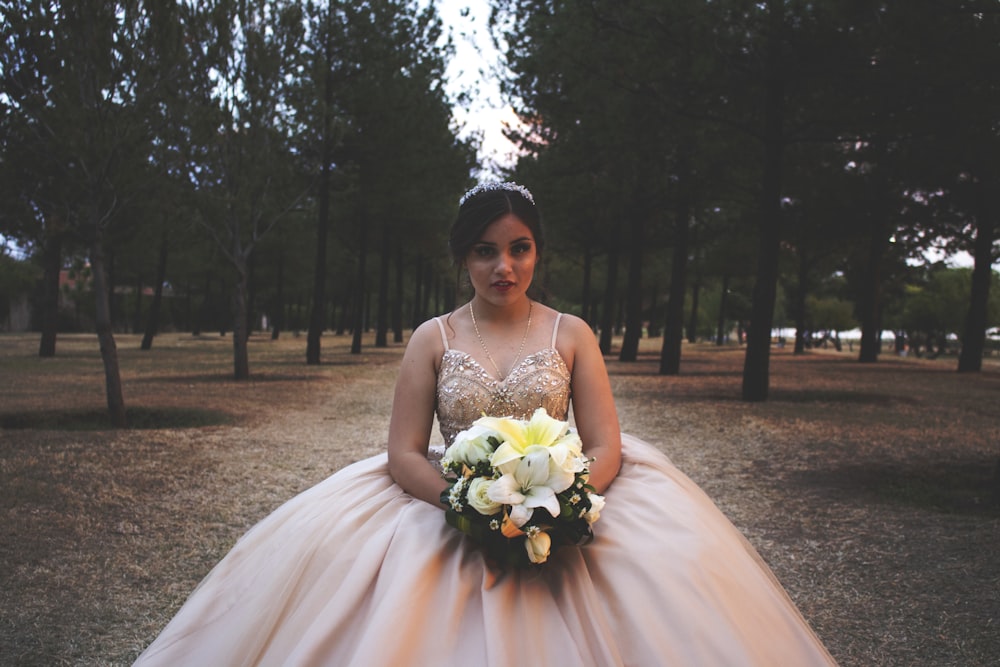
866, 487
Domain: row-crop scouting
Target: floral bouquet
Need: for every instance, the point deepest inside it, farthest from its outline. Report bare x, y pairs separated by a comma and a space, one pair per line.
519, 487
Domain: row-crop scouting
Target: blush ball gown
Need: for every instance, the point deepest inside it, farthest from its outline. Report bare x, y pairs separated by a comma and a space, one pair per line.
354, 571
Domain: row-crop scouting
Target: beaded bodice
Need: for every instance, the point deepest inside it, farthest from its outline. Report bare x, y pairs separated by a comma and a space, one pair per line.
465, 391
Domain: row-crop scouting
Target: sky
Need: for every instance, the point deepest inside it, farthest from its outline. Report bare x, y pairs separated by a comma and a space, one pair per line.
475, 68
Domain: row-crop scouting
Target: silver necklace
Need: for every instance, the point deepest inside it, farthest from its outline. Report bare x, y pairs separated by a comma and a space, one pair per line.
501, 376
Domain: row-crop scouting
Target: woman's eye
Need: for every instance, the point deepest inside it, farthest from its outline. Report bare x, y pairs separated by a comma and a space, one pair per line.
522, 248
483, 251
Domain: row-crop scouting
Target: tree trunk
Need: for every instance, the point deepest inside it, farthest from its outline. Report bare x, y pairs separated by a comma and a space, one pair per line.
359, 287
756, 367
673, 331
382, 309
241, 357
418, 287
109, 271
633, 291
105, 336
692, 329
800, 304
397, 303
970, 359
871, 293
278, 312
653, 328
251, 294
430, 286
188, 308
52, 261
201, 319
585, 298
317, 318
720, 325
152, 321
344, 311
221, 320
449, 297
608, 310
137, 306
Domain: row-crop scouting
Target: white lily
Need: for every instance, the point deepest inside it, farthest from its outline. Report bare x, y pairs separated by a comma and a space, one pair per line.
541, 430
533, 482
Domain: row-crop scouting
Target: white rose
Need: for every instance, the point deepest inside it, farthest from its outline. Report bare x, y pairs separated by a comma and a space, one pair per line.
479, 497
538, 544
568, 455
471, 446
596, 505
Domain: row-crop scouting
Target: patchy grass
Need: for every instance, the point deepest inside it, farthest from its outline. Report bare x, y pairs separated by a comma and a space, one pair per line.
868, 488
96, 419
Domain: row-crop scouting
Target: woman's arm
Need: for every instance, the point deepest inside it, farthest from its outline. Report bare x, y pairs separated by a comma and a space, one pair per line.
593, 405
413, 417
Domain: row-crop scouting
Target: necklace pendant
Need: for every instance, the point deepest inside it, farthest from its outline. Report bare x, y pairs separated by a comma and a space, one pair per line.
503, 402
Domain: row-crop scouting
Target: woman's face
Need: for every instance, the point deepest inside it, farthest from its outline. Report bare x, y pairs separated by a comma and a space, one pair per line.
502, 262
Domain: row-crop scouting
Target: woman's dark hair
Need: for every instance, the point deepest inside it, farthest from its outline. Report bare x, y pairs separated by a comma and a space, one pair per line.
486, 203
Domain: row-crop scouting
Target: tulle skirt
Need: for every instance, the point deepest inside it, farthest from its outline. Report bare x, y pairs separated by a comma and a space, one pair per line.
356, 572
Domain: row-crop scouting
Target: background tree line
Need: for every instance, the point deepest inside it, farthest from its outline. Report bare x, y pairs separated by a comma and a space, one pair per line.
810, 151
249, 154
704, 166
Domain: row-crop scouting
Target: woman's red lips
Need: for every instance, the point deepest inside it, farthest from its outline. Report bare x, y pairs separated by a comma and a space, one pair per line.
503, 284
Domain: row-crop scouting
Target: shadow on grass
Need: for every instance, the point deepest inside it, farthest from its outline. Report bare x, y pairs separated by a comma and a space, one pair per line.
829, 396
690, 369
225, 378
139, 418
965, 488
347, 361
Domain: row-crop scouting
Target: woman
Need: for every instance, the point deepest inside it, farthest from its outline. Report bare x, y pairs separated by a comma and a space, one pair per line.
363, 570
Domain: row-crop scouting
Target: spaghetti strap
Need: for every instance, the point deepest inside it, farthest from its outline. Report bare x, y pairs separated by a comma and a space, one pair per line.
444, 337
555, 330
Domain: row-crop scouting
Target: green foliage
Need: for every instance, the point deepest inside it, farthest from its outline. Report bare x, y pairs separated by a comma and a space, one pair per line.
829, 314
938, 305
17, 277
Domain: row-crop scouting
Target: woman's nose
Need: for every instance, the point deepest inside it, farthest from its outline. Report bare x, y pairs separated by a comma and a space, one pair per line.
504, 263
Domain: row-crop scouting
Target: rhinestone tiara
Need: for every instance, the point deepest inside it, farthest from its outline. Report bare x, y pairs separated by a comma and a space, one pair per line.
489, 186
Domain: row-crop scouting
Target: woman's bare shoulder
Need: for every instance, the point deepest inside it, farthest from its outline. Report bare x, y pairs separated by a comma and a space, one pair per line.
426, 342
575, 329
